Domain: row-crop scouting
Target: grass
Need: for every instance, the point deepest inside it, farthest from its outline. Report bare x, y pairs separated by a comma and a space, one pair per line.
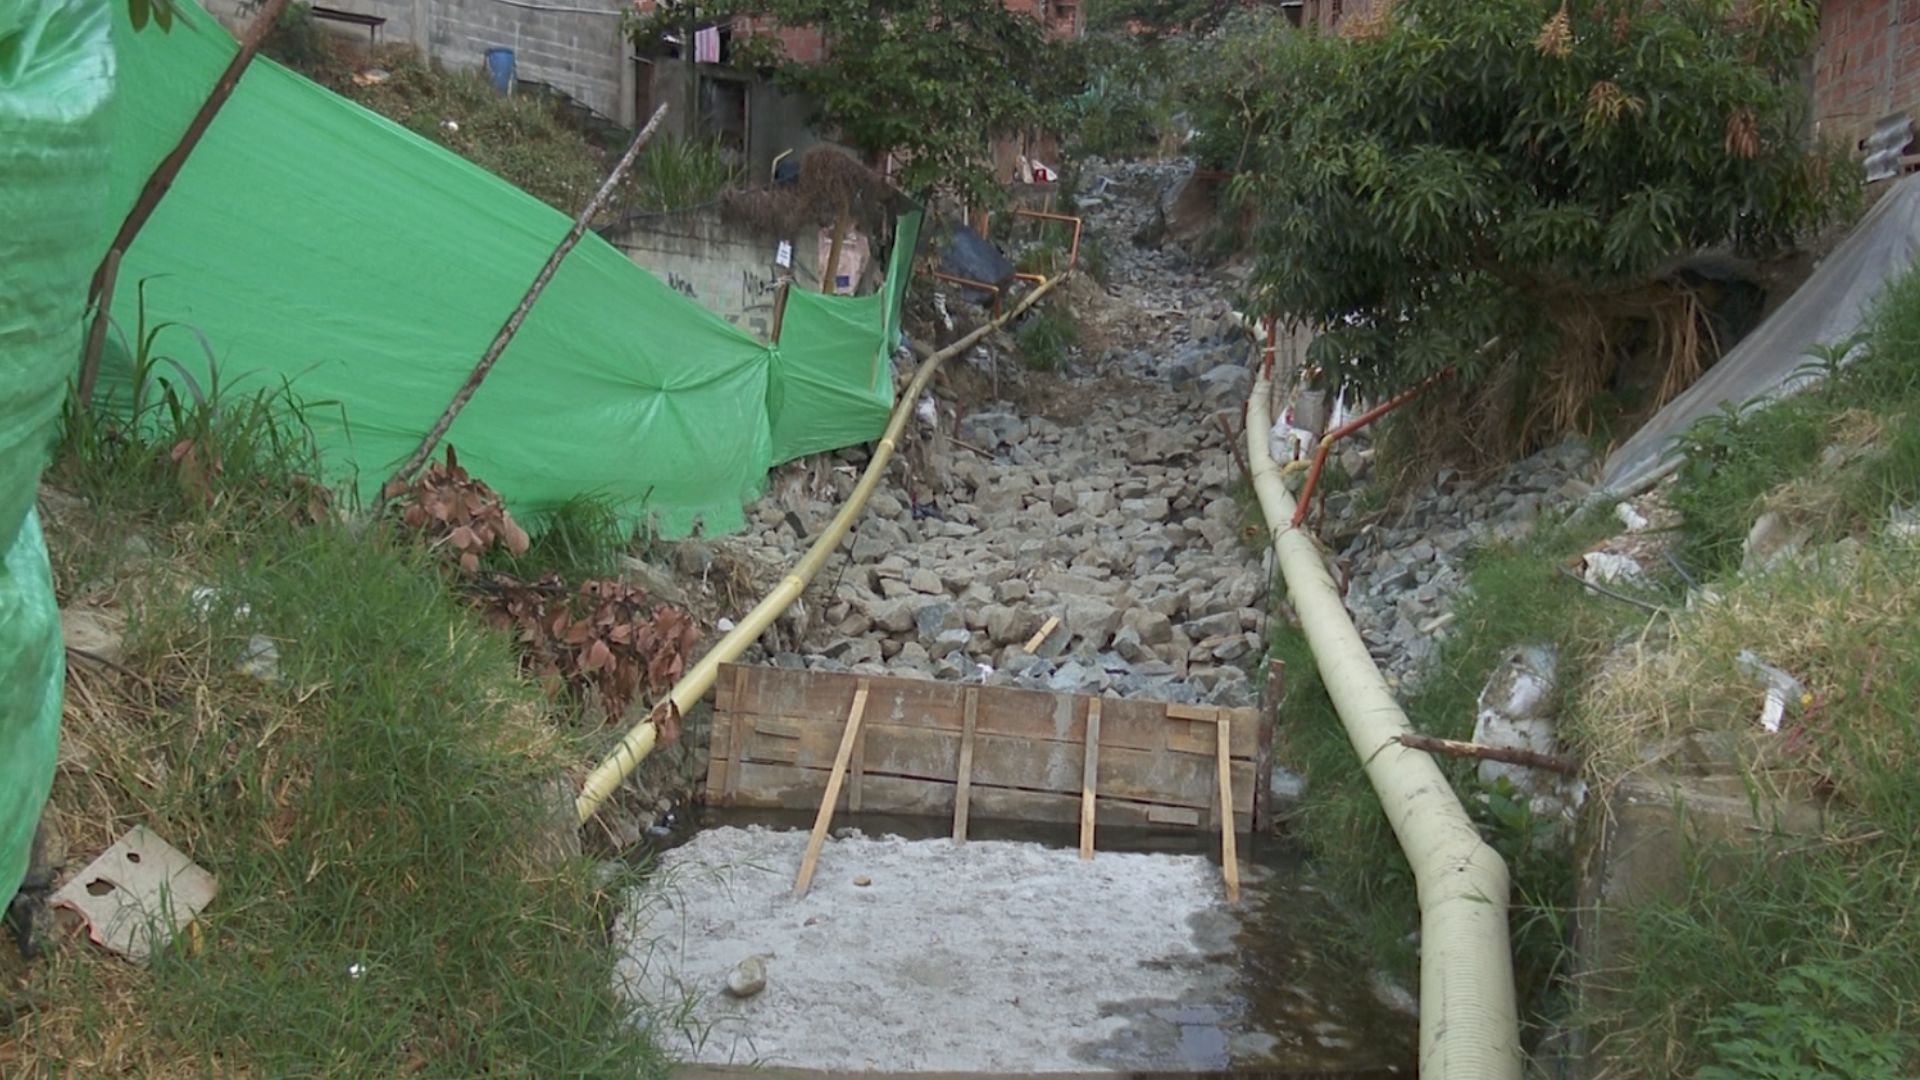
401, 891
1047, 338
674, 173
1810, 940
1841, 905
526, 140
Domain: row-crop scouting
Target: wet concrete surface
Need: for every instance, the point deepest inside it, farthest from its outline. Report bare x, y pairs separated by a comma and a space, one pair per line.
1292, 1007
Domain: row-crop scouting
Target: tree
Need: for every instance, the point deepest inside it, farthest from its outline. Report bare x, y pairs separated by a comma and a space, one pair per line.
931, 82
1505, 187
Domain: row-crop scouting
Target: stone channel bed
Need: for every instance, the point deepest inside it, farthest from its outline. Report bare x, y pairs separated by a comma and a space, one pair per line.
924, 955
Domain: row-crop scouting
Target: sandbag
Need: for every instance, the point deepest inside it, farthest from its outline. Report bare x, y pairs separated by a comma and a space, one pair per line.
56, 78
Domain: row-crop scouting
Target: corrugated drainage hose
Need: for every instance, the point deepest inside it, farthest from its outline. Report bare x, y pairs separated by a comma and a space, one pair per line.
1469, 1028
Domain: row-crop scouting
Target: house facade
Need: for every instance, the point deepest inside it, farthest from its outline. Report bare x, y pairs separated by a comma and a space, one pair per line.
760, 125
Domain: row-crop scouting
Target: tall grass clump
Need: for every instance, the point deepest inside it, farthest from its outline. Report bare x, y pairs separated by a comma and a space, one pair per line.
1809, 937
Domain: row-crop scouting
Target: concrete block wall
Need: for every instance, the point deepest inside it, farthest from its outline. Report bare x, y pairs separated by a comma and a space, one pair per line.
1866, 65
725, 267
581, 52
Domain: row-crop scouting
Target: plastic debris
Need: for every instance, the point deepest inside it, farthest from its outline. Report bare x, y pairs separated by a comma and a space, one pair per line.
1784, 692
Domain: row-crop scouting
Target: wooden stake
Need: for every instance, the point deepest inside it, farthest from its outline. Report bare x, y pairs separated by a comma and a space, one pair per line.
164, 173
1229, 856
964, 781
825, 817
511, 327
1510, 755
830, 273
1271, 694
97, 333
1089, 778
1040, 635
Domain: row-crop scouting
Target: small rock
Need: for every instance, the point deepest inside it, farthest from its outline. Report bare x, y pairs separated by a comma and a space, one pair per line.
863, 881
748, 977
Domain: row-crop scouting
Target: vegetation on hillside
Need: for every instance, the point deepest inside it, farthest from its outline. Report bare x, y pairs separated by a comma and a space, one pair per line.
930, 82
1810, 938
529, 141
309, 707
1505, 188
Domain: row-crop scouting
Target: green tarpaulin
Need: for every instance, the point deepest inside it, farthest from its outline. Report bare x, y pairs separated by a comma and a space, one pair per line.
310, 240
56, 77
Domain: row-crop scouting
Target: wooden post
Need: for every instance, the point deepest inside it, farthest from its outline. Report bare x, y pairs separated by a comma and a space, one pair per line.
830, 273
1089, 778
964, 780
825, 817
1229, 856
1271, 695
511, 327
164, 173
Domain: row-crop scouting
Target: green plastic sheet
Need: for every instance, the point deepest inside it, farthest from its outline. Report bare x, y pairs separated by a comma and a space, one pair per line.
316, 245
56, 78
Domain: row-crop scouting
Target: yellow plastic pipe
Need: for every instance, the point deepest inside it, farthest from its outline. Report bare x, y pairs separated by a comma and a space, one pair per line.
638, 742
1469, 1027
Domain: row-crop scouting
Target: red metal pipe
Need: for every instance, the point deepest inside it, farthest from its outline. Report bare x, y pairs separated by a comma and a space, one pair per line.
1073, 253
1348, 428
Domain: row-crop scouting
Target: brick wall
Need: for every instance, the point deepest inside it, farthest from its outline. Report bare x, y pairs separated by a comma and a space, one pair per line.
1866, 66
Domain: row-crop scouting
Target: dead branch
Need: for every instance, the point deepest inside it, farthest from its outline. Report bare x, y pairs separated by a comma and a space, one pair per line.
1509, 755
511, 327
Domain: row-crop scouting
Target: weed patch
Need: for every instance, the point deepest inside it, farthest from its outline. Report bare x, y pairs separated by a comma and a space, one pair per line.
1046, 339
386, 807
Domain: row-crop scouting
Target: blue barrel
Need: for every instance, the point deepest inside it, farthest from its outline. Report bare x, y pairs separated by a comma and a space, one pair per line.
500, 69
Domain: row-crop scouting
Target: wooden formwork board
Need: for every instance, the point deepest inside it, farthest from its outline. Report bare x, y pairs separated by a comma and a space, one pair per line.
776, 733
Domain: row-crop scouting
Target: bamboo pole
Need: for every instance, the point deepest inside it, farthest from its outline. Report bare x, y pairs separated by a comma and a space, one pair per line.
97, 333
512, 326
639, 740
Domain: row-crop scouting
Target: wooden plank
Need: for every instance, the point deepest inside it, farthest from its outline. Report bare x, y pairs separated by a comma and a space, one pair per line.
1181, 711
857, 786
963, 777
717, 761
1003, 710
739, 733
776, 729
1172, 815
1090, 777
825, 817
1229, 857
1002, 761
784, 787
1040, 635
